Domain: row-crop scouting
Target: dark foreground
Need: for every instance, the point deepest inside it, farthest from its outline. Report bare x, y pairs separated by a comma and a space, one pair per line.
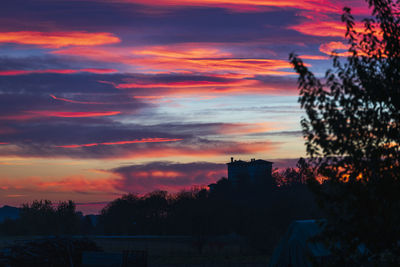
159, 251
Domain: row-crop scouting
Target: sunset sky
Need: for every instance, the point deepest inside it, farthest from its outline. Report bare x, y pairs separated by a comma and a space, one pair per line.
99, 98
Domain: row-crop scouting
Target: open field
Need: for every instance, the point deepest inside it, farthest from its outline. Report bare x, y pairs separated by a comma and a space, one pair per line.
166, 251
181, 251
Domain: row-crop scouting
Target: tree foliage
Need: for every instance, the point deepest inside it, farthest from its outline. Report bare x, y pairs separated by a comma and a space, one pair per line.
352, 132
288, 177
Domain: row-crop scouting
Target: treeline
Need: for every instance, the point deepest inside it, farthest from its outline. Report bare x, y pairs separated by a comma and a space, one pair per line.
45, 218
260, 213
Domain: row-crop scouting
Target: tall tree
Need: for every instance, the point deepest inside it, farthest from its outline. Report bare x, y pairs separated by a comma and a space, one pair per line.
352, 131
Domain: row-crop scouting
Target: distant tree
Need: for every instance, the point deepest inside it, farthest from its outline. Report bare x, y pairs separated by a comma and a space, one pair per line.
155, 207
122, 215
352, 133
69, 221
38, 218
44, 218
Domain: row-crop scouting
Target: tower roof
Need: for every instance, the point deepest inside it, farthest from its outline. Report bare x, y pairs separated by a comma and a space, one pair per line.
252, 161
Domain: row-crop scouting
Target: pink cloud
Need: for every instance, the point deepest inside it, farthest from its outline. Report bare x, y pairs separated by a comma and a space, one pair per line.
243, 5
75, 101
137, 141
57, 71
66, 114
168, 176
28, 115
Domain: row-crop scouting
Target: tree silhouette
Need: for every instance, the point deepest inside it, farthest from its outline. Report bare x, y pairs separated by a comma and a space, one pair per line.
44, 218
288, 177
352, 135
121, 215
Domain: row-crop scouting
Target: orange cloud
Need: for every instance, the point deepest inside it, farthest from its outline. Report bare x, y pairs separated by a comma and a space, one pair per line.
325, 28
329, 48
144, 140
77, 183
194, 58
181, 51
314, 57
246, 128
180, 58
58, 39
188, 58
57, 71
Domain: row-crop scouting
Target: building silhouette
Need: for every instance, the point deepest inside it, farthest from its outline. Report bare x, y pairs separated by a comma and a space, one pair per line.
253, 172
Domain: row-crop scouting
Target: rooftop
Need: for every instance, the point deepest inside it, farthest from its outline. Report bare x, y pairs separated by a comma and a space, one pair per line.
252, 161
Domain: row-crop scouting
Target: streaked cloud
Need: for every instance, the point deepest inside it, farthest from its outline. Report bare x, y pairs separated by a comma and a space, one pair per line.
77, 184
314, 57
60, 71
317, 27
242, 5
60, 114
138, 141
183, 58
76, 101
58, 39
194, 148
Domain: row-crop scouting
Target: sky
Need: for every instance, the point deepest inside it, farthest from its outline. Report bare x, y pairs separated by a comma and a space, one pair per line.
99, 98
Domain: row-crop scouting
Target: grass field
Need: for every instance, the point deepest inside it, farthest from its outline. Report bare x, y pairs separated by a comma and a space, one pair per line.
180, 251
166, 251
